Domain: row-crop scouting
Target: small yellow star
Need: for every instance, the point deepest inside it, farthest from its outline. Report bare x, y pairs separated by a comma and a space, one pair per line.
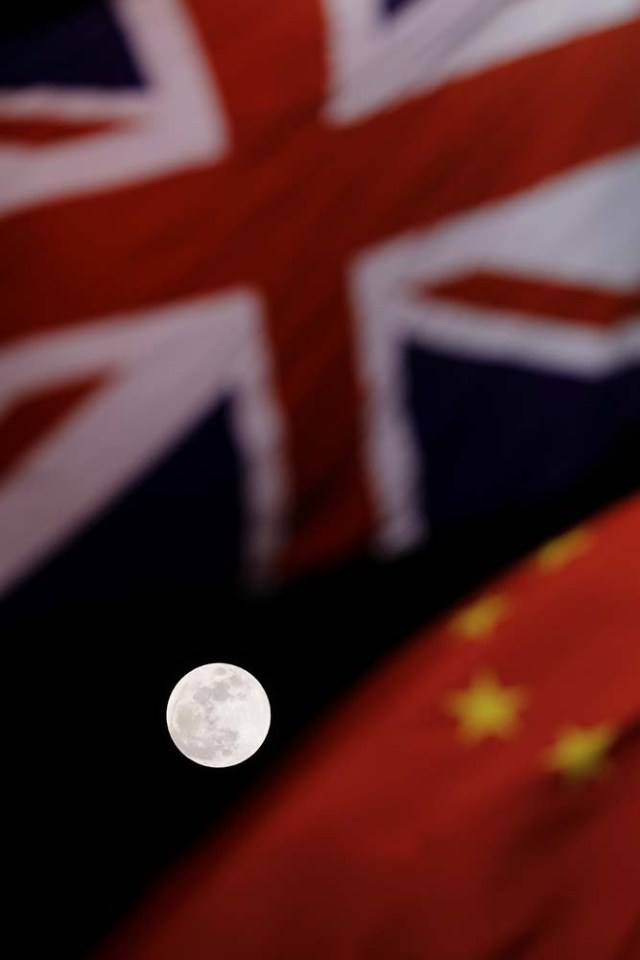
581, 753
479, 619
486, 708
559, 552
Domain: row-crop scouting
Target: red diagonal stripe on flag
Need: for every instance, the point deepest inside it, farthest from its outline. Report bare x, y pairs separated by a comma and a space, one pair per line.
44, 132
29, 419
540, 298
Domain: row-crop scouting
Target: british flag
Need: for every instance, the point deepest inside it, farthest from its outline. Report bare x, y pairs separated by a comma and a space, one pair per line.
284, 281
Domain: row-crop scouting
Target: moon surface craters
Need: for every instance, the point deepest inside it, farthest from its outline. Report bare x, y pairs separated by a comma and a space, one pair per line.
218, 715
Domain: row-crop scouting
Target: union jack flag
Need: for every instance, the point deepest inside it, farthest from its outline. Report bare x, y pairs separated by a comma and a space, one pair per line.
283, 281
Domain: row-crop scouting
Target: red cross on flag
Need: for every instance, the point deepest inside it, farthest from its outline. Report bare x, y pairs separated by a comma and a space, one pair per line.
281, 282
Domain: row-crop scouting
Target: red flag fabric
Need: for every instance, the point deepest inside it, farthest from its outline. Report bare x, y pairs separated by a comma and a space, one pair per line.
479, 797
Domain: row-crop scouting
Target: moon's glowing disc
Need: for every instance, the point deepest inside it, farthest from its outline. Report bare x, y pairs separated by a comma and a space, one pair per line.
218, 715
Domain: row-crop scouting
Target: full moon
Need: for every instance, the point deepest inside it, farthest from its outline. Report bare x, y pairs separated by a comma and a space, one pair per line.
218, 715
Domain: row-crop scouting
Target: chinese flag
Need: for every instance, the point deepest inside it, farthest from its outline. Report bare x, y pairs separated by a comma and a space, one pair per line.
477, 799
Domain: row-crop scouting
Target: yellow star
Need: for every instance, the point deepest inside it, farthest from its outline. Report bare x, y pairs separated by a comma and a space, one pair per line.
479, 619
581, 753
486, 708
559, 552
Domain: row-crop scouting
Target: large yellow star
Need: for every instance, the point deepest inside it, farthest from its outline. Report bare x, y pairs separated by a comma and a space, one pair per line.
479, 619
562, 550
486, 708
581, 753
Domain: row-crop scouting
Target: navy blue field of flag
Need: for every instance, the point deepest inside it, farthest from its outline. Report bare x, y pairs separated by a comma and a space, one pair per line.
493, 437
87, 48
